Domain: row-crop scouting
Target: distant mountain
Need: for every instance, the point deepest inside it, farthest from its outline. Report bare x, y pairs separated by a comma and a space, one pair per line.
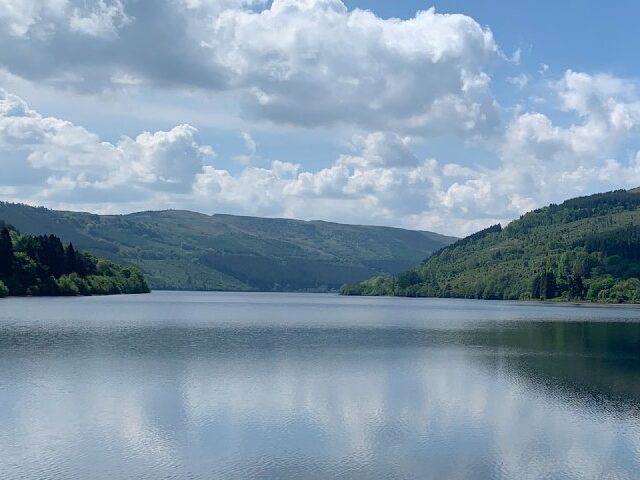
186, 250
587, 248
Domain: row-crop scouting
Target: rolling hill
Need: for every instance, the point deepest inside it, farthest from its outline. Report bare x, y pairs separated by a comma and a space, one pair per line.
187, 250
587, 248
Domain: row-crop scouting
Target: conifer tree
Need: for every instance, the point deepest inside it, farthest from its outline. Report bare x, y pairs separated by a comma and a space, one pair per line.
6, 254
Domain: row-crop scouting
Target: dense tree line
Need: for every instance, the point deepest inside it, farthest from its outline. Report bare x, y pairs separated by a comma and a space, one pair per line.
43, 265
587, 248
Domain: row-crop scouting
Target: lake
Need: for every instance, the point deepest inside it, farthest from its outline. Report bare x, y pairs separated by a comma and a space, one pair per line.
295, 386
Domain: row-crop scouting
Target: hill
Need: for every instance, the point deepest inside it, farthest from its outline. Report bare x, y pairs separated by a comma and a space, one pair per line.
186, 250
42, 266
587, 248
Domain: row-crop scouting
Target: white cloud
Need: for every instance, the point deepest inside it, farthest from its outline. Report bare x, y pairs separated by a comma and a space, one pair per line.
516, 57
608, 112
19, 16
74, 156
380, 180
43, 18
381, 149
313, 62
544, 162
301, 62
103, 19
519, 81
249, 143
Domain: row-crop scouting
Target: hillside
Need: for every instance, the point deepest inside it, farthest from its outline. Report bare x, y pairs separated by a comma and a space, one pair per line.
187, 250
587, 248
43, 266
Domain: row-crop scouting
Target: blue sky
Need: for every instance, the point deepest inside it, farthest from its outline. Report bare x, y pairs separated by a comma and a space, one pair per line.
451, 119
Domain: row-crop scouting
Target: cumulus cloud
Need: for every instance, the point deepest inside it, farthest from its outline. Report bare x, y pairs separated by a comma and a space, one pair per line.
75, 157
351, 66
313, 64
302, 62
607, 110
378, 179
543, 161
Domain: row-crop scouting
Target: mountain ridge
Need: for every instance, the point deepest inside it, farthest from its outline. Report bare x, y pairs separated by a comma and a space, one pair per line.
182, 249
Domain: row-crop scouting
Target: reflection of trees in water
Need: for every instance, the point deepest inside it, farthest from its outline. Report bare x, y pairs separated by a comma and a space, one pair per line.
372, 402
598, 363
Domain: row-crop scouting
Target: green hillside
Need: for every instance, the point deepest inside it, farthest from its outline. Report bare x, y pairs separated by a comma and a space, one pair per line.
587, 248
187, 250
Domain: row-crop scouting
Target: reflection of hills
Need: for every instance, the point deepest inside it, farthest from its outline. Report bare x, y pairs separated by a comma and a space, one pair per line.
353, 402
594, 362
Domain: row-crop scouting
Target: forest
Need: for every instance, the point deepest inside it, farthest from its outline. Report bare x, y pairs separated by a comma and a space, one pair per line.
585, 249
41, 265
182, 250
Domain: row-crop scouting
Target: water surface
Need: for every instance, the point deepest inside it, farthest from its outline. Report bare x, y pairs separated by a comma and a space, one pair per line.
257, 386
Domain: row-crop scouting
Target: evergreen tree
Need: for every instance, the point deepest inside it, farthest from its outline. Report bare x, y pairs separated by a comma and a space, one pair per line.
70, 260
55, 255
6, 254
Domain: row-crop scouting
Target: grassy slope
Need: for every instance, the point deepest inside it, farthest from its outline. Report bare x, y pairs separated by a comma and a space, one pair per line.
187, 250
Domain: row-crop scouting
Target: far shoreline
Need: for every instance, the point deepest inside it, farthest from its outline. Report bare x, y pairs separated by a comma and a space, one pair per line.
561, 303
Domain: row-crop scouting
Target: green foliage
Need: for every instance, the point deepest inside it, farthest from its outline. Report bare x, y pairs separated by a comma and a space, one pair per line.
42, 265
376, 286
6, 252
67, 286
587, 248
186, 250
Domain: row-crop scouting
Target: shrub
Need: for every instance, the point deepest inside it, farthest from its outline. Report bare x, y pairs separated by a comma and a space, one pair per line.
66, 286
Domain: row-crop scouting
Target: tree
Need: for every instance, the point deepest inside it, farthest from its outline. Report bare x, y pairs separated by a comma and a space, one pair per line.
407, 279
42, 265
544, 286
70, 260
576, 286
55, 253
6, 254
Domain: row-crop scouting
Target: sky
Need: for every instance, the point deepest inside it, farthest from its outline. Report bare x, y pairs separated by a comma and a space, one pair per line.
447, 116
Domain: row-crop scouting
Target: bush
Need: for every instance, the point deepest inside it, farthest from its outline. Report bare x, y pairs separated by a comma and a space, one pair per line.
625, 291
66, 286
4, 291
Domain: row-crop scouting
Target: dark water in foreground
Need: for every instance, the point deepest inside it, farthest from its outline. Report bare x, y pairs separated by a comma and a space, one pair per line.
206, 385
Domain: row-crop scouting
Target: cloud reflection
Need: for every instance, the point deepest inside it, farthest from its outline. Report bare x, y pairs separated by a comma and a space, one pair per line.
502, 400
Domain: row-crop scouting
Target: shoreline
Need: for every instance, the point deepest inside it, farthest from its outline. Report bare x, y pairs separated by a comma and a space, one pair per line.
574, 303
337, 294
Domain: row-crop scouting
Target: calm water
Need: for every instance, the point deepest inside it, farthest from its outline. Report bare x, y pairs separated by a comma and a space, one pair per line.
256, 386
